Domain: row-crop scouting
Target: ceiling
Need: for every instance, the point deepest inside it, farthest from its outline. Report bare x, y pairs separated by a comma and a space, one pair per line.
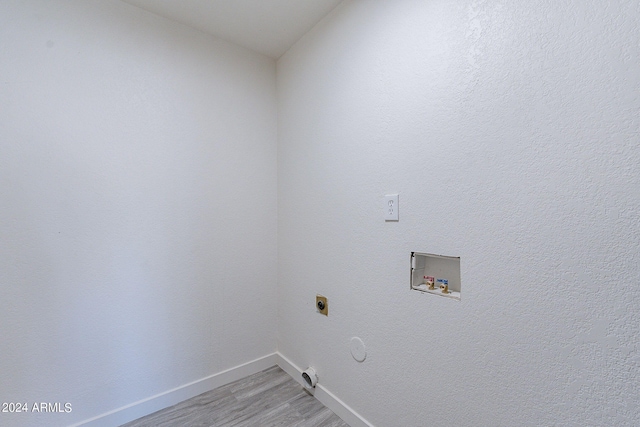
270, 27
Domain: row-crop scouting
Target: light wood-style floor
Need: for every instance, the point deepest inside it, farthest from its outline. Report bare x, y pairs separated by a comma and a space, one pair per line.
267, 399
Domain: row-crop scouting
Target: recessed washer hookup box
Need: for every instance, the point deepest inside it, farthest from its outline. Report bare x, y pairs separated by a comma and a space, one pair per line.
436, 274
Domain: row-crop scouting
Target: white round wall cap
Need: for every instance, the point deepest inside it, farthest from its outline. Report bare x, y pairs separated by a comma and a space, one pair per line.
358, 349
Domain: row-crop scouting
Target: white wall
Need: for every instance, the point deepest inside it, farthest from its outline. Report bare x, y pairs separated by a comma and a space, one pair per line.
138, 206
510, 131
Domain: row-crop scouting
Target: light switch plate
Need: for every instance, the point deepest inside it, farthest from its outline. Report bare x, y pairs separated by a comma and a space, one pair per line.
391, 207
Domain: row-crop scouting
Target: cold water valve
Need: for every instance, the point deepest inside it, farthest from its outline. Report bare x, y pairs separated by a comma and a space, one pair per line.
443, 285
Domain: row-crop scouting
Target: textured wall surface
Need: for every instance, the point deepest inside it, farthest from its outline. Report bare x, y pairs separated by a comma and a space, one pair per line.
510, 131
137, 204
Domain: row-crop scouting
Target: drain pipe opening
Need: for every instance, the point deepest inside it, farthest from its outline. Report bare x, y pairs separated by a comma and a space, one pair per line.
310, 378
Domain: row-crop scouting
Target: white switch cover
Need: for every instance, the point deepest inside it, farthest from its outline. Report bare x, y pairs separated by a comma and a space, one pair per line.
391, 207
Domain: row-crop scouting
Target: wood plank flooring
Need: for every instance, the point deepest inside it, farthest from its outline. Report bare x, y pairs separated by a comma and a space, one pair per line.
267, 399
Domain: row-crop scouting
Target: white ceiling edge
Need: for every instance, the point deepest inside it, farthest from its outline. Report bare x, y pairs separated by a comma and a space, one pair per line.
269, 27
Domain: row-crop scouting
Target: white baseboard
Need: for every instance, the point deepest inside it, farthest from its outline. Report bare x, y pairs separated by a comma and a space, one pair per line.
160, 401
168, 398
327, 398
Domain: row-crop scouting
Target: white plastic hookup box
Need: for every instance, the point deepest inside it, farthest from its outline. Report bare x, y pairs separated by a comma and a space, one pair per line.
440, 269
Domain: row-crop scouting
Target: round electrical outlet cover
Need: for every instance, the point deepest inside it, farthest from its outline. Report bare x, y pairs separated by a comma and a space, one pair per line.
358, 350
